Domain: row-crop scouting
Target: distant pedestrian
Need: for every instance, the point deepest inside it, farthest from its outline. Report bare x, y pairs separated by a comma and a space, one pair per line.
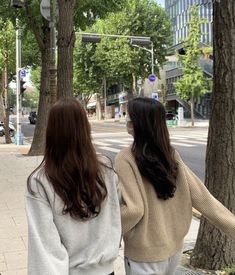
72, 201
158, 193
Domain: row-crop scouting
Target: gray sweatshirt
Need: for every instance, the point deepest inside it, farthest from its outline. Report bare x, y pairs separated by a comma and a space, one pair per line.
61, 245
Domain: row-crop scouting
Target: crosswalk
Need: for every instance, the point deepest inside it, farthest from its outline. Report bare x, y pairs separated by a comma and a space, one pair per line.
114, 143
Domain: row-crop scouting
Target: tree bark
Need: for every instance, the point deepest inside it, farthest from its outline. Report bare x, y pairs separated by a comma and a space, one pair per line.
66, 40
7, 112
98, 108
134, 90
42, 36
37, 147
192, 109
213, 249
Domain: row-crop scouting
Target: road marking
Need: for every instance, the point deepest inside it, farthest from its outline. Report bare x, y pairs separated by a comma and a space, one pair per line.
190, 141
201, 137
183, 144
114, 150
99, 143
115, 140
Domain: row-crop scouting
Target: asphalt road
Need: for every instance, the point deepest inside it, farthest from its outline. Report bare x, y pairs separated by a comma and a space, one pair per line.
109, 138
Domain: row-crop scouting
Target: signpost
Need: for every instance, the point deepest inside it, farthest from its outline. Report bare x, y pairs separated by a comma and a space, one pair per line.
23, 73
155, 96
152, 78
45, 9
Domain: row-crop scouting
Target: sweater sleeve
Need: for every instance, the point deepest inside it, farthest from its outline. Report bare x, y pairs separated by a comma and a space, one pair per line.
132, 207
46, 254
209, 206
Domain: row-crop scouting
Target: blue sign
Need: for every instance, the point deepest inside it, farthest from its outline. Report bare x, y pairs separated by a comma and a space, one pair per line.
23, 73
152, 78
155, 95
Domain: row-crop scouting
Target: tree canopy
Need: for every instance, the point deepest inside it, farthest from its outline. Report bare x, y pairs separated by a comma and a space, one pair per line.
117, 59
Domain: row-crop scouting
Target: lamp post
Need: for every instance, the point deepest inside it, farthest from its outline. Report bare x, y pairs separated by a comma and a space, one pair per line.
18, 4
138, 43
18, 95
96, 38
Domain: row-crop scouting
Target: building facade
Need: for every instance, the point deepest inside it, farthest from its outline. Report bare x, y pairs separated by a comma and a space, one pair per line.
179, 13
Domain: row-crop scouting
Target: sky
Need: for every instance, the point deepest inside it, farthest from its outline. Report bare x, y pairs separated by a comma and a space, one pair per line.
161, 2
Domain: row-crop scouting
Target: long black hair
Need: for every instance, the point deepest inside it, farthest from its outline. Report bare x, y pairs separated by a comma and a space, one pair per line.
70, 161
151, 148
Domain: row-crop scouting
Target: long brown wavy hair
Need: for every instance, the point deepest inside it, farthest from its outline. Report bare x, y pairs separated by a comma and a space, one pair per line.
70, 162
151, 148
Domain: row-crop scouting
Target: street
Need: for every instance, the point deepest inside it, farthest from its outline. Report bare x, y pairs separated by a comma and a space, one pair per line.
110, 137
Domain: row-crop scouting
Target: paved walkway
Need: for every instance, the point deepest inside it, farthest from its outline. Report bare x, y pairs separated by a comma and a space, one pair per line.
14, 170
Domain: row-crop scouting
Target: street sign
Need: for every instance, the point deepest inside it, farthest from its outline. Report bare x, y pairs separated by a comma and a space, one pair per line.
155, 95
45, 9
152, 78
23, 73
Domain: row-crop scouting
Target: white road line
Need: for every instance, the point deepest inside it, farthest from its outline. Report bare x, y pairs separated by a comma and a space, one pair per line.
115, 140
110, 134
183, 144
99, 143
190, 141
124, 145
109, 149
128, 139
193, 136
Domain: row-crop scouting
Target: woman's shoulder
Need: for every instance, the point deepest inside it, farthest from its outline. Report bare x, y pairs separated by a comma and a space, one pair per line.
38, 184
124, 154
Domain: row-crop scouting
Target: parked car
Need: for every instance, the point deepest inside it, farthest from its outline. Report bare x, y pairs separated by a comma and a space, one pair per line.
171, 116
12, 129
32, 117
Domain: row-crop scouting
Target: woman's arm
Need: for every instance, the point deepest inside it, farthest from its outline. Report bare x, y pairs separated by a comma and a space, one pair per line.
132, 207
46, 253
209, 206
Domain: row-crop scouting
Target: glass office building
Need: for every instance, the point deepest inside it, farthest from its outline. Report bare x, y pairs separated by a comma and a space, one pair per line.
179, 12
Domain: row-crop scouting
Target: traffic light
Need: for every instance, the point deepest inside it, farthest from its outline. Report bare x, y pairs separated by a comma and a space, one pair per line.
141, 41
22, 86
91, 38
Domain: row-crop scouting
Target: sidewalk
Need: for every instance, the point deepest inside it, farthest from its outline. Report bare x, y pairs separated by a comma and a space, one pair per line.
14, 170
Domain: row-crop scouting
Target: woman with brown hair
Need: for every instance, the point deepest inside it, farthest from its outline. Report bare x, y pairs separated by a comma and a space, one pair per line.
72, 201
158, 193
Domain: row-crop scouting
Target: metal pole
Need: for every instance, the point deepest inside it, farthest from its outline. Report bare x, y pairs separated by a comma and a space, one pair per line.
52, 52
105, 95
152, 57
145, 38
18, 67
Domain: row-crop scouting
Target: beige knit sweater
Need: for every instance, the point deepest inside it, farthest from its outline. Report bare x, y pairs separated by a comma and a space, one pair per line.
154, 229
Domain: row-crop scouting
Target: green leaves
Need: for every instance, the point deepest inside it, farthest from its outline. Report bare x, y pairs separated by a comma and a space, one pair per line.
7, 42
117, 59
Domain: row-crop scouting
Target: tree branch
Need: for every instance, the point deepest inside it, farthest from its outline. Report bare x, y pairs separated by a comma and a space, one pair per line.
33, 24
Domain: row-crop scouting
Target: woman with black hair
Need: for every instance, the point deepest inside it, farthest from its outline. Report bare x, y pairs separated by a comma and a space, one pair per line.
158, 193
72, 201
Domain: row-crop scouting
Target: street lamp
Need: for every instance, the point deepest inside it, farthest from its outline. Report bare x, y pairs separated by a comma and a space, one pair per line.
96, 38
138, 43
18, 4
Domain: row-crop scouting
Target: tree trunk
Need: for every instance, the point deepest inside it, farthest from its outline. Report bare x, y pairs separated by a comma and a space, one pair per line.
98, 108
134, 90
37, 147
192, 109
53, 70
7, 112
213, 249
66, 40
